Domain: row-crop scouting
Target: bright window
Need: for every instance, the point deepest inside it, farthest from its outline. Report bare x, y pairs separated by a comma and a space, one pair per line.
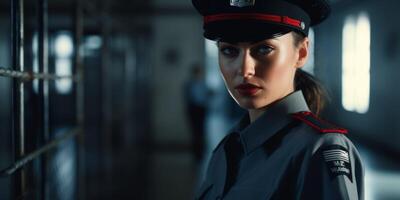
356, 63
35, 50
64, 50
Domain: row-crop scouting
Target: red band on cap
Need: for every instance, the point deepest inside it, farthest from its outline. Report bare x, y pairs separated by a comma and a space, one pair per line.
262, 17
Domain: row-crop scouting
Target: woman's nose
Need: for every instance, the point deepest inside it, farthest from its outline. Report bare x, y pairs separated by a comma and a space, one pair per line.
247, 68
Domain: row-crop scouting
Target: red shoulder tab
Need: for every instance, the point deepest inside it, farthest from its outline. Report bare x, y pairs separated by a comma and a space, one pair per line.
322, 126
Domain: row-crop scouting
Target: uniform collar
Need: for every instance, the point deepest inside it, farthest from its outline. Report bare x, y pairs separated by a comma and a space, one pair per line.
270, 122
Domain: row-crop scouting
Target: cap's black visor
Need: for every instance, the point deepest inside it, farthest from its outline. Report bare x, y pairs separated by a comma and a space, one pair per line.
244, 31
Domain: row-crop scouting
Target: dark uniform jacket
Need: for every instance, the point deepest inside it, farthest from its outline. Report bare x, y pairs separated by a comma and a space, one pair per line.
287, 153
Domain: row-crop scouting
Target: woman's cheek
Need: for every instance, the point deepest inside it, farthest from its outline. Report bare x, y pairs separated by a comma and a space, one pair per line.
227, 75
273, 74
275, 79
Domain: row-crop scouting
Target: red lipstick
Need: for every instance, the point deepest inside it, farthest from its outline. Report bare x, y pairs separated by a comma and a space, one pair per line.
247, 89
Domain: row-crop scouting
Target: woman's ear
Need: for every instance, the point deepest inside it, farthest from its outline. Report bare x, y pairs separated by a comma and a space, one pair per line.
303, 52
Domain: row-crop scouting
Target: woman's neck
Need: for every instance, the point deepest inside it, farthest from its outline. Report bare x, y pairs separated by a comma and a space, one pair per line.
256, 113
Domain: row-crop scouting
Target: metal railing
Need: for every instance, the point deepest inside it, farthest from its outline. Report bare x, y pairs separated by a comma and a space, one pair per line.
30, 76
19, 75
35, 154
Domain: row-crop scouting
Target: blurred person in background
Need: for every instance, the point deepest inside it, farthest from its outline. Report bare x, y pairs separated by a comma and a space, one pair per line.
280, 149
196, 97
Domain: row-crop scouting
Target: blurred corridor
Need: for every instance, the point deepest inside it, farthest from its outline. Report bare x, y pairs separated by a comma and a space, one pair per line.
114, 122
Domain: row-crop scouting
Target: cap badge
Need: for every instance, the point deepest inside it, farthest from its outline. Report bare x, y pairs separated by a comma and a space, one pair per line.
303, 25
242, 3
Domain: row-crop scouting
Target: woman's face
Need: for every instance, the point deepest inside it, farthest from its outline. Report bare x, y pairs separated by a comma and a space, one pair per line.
257, 74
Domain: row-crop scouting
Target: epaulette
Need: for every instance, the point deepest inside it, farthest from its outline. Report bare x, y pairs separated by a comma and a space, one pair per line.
322, 126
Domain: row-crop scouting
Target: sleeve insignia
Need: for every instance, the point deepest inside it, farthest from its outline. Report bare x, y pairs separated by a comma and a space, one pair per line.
338, 161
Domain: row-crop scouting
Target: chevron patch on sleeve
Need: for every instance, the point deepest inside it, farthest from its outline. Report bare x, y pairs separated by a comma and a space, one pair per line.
338, 161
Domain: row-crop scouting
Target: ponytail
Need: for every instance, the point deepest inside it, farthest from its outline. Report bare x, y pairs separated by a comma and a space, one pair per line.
313, 91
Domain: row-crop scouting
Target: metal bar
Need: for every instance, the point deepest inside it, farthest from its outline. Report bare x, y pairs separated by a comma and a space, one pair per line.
30, 76
35, 154
80, 90
18, 133
78, 32
44, 93
106, 89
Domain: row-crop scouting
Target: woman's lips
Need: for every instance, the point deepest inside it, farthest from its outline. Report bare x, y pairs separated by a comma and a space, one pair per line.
247, 89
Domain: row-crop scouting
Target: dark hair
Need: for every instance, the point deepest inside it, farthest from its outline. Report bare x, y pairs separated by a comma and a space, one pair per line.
314, 93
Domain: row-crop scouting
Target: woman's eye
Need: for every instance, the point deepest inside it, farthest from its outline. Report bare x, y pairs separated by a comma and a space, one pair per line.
264, 50
229, 51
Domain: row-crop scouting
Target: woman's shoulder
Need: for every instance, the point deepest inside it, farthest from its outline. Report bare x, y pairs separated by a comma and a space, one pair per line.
319, 125
327, 159
321, 134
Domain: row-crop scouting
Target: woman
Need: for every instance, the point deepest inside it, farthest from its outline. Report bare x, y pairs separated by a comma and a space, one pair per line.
280, 149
